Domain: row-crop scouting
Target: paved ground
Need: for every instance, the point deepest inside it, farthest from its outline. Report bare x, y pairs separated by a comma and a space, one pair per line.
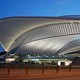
36, 74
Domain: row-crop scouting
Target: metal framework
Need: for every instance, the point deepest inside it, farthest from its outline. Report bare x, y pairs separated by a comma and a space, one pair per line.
40, 35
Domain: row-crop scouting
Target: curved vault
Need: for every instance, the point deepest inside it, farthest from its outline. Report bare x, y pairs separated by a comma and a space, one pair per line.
38, 35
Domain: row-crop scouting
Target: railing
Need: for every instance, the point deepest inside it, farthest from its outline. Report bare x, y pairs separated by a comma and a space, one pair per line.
7, 69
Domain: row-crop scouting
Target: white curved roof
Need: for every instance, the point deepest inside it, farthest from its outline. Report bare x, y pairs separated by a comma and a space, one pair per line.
12, 30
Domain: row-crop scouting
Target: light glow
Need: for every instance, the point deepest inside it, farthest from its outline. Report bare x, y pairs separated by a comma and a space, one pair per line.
10, 59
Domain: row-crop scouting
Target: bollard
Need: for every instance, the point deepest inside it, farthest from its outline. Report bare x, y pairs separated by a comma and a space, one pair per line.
43, 68
26, 69
8, 71
57, 69
69, 68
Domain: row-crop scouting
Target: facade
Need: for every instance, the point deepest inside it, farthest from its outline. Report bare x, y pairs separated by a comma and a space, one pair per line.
40, 36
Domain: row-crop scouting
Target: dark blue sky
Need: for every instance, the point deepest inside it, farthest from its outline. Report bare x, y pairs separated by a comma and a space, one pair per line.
9, 8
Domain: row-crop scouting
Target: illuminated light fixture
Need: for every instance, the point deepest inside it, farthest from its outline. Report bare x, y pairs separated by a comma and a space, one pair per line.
35, 59
10, 59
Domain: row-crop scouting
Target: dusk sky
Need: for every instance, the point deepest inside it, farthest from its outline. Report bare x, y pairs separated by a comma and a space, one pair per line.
10, 8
